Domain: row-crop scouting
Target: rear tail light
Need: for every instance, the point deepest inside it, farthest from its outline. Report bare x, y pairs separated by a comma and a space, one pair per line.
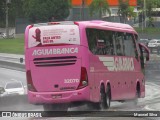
30, 26
84, 78
76, 23
30, 82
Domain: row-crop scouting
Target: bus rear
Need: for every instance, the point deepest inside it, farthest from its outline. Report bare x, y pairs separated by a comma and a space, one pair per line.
54, 70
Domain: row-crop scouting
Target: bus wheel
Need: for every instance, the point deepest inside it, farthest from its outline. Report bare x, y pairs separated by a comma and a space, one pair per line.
102, 103
55, 107
108, 97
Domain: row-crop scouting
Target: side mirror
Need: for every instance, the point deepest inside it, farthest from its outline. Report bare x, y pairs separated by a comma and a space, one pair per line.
145, 51
147, 57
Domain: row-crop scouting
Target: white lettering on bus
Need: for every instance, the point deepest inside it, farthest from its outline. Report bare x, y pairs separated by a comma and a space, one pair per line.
123, 64
118, 64
55, 51
71, 80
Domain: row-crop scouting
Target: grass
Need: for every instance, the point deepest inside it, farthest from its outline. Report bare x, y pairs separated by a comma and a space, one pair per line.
148, 30
13, 46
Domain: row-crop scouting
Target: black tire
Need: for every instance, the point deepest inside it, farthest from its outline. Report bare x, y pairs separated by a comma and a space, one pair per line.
102, 103
108, 97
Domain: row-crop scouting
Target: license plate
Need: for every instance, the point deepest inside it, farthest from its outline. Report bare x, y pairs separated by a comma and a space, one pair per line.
57, 96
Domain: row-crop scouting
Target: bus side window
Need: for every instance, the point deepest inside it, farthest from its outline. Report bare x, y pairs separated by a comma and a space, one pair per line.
101, 47
100, 42
107, 36
119, 44
136, 47
130, 46
91, 37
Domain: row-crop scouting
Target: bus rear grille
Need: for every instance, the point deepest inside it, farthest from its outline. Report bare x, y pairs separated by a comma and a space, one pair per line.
55, 61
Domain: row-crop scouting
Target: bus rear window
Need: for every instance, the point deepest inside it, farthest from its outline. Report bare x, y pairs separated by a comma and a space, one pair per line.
53, 35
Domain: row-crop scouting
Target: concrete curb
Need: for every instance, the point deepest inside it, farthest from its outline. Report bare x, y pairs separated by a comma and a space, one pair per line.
12, 61
12, 66
14, 58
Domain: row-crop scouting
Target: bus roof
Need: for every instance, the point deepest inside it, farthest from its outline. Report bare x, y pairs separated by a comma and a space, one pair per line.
107, 24
98, 23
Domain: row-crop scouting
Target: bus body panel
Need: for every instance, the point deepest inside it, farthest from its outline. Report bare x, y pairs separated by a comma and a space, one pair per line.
101, 69
59, 97
48, 71
123, 83
52, 76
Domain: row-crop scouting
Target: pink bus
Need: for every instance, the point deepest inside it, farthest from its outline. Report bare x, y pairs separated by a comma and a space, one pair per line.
85, 61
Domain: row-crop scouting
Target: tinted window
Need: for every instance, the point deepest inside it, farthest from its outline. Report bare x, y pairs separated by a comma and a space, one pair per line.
119, 43
104, 42
13, 85
152, 41
130, 45
100, 42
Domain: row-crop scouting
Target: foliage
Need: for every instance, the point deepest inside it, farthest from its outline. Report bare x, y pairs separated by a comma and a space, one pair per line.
35, 10
130, 12
99, 6
2, 13
149, 5
15, 11
125, 11
140, 3
46, 10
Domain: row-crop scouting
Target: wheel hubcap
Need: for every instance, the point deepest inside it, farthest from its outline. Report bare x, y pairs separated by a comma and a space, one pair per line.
107, 100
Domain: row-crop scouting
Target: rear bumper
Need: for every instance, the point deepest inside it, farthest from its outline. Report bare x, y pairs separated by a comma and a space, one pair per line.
61, 97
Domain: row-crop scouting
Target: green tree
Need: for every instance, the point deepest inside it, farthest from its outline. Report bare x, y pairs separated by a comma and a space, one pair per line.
150, 5
123, 10
2, 13
99, 6
131, 13
15, 11
149, 9
46, 10
140, 3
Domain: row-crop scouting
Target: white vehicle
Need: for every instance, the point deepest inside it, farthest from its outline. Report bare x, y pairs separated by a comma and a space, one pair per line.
15, 87
144, 41
154, 45
2, 91
2, 35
